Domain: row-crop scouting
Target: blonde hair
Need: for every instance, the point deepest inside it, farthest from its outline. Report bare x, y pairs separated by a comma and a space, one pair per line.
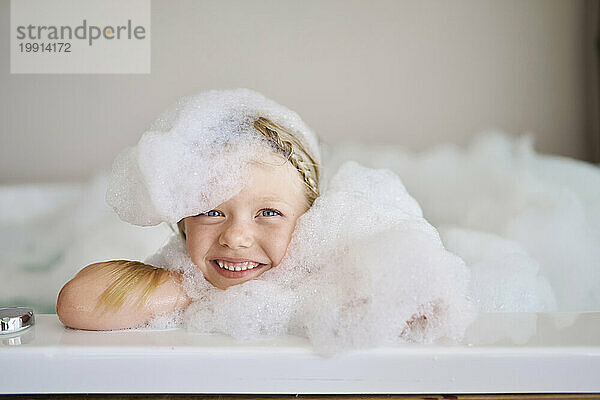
295, 152
127, 276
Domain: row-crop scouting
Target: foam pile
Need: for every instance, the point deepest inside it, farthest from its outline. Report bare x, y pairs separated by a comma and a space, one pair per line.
527, 224
363, 269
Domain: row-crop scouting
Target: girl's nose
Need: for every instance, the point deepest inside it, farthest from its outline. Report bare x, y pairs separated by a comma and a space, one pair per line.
235, 236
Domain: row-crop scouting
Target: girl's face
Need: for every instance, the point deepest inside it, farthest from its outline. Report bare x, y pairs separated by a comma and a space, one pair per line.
250, 232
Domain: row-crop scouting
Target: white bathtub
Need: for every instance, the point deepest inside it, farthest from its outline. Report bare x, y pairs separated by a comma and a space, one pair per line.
503, 353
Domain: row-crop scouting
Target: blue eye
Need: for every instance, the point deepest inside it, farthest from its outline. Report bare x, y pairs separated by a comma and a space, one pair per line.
211, 213
270, 210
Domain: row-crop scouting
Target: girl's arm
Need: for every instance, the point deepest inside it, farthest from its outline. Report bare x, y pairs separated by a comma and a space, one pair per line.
118, 295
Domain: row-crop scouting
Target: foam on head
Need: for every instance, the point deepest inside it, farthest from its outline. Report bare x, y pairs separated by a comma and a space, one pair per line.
196, 154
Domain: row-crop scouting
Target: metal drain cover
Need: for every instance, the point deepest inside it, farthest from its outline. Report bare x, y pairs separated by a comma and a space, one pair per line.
15, 319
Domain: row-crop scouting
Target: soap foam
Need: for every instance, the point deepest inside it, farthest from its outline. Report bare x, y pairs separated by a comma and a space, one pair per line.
364, 267
361, 263
525, 224
202, 141
507, 211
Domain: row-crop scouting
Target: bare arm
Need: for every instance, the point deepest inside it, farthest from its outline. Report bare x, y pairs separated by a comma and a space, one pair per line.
82, 302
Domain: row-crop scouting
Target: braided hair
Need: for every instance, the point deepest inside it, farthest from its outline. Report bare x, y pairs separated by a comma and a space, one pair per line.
286, 143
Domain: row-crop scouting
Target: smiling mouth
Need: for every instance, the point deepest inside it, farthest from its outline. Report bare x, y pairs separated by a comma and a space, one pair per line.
224, 268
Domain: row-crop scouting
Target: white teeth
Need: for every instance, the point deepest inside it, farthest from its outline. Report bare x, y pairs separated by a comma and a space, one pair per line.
238, 267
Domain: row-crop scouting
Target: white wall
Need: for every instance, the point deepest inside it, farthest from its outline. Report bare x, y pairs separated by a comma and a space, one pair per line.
410, 72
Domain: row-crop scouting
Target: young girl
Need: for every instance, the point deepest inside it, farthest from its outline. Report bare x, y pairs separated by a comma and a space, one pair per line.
262, 249
237, 241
